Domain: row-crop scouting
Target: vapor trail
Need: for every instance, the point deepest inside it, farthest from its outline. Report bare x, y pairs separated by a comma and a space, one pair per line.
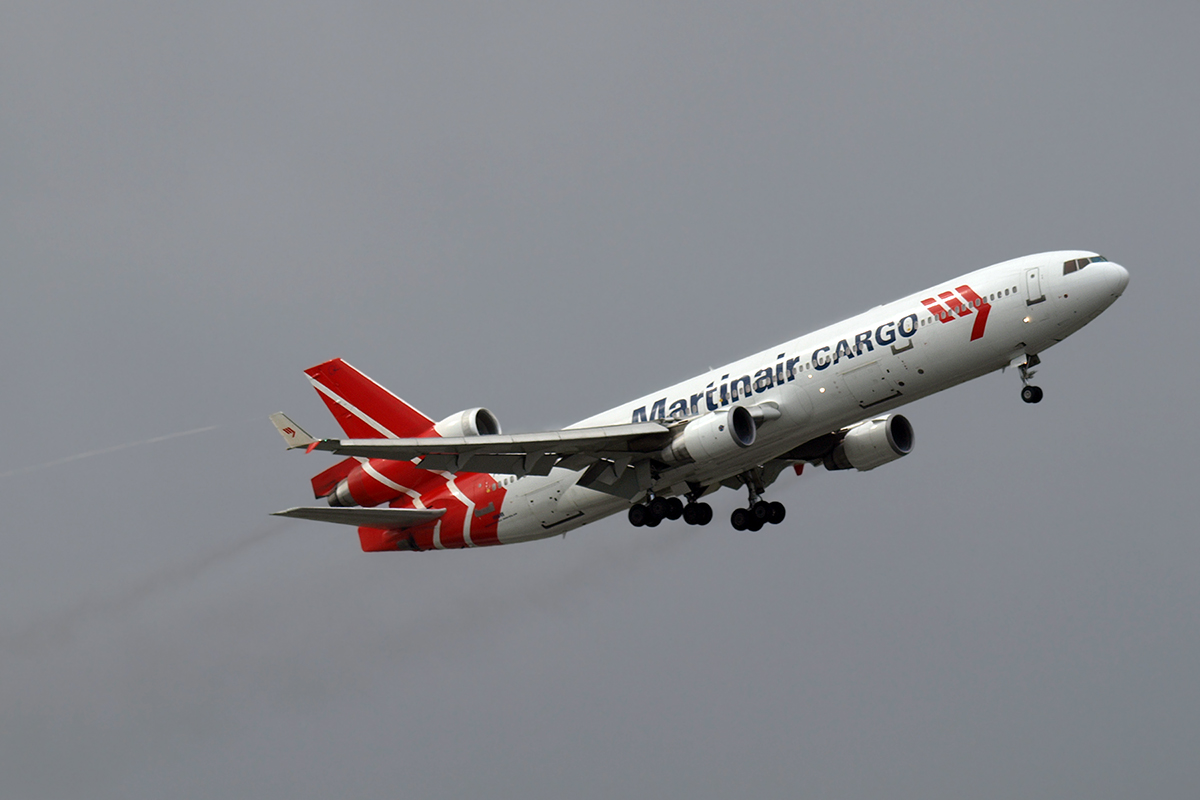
130, 599
105, 450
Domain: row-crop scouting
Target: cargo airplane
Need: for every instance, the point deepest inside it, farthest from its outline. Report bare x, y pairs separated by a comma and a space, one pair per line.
826, 398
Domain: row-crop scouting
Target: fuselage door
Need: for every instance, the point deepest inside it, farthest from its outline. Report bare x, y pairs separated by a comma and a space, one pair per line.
1033, 286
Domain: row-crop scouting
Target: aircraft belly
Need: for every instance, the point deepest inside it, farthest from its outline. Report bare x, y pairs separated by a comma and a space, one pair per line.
553, 506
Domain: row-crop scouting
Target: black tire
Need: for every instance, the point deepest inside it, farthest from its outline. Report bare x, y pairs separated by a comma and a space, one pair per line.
658, 508
637, 515
674, 508
761, 511
1031, 394
1037, 394
691, 514
740, 519
778, 512
706, 513
756, 524
652, 521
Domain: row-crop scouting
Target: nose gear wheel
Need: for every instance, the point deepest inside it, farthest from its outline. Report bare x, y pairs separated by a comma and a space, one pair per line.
1029, 392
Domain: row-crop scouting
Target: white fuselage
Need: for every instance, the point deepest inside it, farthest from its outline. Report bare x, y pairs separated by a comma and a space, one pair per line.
843, 374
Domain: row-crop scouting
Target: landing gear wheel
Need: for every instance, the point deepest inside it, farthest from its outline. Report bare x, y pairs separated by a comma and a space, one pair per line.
740, 519
756, 524
659, 507
674, 508
697, 513
778, 512
638, 515
761, 511
1032, 394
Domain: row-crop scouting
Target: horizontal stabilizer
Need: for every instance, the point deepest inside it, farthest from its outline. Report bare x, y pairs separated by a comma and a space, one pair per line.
387, 519
293, 434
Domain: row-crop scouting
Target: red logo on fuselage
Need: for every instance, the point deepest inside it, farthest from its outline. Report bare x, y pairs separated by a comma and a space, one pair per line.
960, 304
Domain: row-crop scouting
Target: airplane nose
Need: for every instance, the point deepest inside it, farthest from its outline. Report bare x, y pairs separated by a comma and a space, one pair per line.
1120, 278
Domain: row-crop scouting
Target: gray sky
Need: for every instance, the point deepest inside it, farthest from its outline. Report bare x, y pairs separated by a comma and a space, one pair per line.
549, 210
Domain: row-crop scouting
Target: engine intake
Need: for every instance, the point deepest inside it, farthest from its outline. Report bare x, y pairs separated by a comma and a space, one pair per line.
872, 443
712, 436
472, 422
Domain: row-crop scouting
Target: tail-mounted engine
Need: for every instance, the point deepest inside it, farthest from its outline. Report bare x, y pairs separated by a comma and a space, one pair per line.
371, 484
472, 422
712, 436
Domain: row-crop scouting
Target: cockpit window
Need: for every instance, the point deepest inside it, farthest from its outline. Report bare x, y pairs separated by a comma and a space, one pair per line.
1079, 263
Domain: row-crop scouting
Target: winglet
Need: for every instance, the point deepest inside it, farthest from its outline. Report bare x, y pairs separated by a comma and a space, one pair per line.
293, 434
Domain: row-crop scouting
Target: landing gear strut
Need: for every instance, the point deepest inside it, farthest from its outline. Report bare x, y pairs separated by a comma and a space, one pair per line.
758, 511
1029, 392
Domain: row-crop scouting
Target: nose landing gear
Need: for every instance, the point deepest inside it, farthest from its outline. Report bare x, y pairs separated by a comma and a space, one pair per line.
1029, 392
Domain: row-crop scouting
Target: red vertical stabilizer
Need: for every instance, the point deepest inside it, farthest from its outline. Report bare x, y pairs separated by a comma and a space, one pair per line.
363, 408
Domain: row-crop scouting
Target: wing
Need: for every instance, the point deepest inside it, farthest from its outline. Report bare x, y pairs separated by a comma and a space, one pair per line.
521, 454
614, 459
388, 519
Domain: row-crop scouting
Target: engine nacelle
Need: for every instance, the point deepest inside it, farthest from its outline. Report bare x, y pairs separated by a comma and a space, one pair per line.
872, 443
712, 436
472, 422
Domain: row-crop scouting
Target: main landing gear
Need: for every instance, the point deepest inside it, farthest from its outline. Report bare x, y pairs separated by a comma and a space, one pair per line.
660, 508
758, 512
757, 515
1029, 392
